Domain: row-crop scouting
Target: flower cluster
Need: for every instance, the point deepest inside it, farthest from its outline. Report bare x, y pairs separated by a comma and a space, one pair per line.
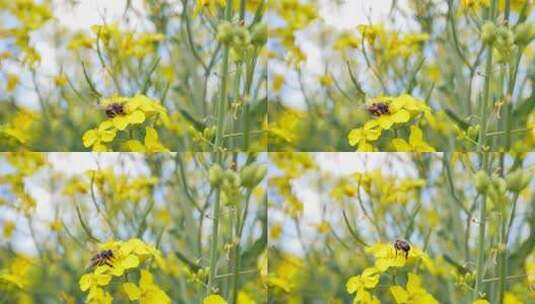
127, 257
134, 111
399, 111
387, 257
31, 15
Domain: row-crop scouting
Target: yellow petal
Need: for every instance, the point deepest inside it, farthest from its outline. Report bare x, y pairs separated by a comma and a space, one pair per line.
136, 117
100, 148
416, 136
132, 291
353, 284
85, 281
146, 279
120, 122
134, 146
399, 294
401, 116
103, 279
214, 299
354, 136
385, 121
151, 136
130, 261
108, 136
90, 137
401, 145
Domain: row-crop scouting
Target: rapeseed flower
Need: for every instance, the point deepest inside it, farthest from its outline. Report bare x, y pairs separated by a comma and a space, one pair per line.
416, 142
147, 292
214, 299
136, 110
414, 293
400, 110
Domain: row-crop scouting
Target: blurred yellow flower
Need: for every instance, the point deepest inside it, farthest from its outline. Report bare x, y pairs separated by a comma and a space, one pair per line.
12, 82
214, 299
9, 227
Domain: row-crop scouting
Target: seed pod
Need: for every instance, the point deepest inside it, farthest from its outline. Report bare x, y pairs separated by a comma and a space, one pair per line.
488, 32
481, 181
215, 176
518, 180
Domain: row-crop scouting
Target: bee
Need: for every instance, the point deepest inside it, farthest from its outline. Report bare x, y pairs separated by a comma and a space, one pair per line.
104, 257
114, 109
378, 109
402, 245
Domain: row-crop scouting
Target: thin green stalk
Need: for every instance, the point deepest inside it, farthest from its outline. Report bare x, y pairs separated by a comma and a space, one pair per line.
509, 107
222, 102
484, 108
213, 242
219, 158
481, 241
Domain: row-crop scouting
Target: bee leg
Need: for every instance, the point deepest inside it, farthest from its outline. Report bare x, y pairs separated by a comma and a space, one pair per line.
406, 255
106, 263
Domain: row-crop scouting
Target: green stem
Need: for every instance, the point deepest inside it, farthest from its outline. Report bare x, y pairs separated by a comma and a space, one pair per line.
482, 226
484, 107
219, 158
213, 241
509, 107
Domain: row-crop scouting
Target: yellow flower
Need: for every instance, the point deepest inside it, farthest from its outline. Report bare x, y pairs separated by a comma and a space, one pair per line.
416, 142
474, 4
326, 80
17, 272
147, 292
277, 82
151, 143
346, 40
60, 80
105, 133
12, 82
387, 257
94, 280
80, 40
414, 294
94, 283
400, 110
208, 5
480, 301
214, 299
9, 227
362, 137
367, 280
244, 298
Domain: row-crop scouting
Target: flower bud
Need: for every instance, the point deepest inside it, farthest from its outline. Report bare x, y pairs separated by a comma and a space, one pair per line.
482, 181
209, 133
517, 180
259, 34
232, 179
488, 32
225, 32
473, 131
252, 175
524, 33
215, 176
